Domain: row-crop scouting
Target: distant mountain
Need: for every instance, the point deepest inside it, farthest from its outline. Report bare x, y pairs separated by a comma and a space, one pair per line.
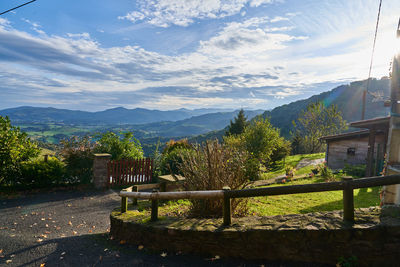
348, 98
118, 115
194, 125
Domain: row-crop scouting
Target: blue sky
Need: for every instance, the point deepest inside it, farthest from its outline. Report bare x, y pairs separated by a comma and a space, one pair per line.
168, 54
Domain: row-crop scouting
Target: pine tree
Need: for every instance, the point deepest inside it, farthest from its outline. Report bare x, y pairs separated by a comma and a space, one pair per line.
238, 125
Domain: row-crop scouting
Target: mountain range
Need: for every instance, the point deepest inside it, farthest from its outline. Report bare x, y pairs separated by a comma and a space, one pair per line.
119, 115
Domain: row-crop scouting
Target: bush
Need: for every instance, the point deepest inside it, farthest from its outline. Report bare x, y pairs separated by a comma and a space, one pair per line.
171, 158
357, 171
15, 147
42, 174
326, 173
78, 157
211, 167
290, 171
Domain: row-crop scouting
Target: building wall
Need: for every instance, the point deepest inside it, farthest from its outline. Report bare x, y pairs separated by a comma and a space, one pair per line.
338, 156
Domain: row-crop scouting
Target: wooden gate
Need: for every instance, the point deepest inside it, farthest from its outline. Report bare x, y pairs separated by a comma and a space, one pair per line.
128, 172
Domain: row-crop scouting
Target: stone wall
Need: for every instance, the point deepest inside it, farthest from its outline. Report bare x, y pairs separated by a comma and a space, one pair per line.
318, 237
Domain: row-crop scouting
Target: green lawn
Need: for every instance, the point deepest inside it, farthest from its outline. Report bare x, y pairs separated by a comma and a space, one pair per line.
310, 202
292, 161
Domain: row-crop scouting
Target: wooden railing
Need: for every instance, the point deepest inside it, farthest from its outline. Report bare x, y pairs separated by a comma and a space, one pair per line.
347, 185
129, 172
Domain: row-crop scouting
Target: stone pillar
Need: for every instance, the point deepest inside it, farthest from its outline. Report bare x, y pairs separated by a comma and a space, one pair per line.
100, 174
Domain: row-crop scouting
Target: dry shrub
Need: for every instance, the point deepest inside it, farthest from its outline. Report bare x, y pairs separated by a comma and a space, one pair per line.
211, 167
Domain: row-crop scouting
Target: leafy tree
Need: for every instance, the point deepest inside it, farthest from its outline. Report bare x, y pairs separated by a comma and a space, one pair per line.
238, 125
127, 147
15, 147
317, 121
261, 139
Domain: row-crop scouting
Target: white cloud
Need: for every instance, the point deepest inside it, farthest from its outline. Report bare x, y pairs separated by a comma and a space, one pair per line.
164, 13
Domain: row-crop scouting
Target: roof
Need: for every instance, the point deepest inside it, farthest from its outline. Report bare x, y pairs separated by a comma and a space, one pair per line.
349, 135
380, 123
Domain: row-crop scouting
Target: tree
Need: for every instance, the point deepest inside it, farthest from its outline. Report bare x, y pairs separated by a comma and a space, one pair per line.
15, 147
238, 125
261, 139
127, 147
317, 121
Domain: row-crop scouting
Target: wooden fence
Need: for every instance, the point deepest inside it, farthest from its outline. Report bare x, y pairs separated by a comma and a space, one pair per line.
129, 172
347, 186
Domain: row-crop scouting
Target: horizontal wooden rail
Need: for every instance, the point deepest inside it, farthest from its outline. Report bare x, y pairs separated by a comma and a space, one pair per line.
347, 185
174, 195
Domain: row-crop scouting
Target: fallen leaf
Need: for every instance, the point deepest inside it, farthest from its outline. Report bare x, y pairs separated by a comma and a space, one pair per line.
12, 235
62, 235
12, 256
47, 232
63, 253
69, 223
61, 258
1, 251
93, 226
164, 254
74, 232
47, 226
43, 236
122, 242
39, 240
90, 231
8, 261
57, 227
43, 219
69, 205
140, 247
117, 255
42, 264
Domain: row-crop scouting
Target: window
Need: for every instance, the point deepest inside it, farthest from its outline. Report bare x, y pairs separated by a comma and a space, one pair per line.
351, 151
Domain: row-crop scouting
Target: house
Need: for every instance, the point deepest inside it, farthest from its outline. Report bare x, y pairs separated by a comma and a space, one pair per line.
366, 146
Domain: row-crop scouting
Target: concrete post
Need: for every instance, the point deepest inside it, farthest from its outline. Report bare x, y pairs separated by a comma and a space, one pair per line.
100, 172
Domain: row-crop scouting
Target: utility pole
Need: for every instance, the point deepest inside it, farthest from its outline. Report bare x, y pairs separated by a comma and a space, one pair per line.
391, 193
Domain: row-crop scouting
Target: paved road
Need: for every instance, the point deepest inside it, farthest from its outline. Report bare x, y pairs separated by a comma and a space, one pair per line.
71, 229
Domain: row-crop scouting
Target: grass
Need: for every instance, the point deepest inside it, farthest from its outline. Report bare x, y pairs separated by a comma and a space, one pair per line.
292, 161
310, 202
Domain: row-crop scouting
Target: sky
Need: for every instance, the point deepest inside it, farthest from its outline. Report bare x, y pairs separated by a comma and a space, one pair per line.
169, 54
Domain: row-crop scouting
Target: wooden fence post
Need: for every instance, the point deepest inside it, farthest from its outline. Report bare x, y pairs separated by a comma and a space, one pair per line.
134, 189
348, 200
227, 206
154, 208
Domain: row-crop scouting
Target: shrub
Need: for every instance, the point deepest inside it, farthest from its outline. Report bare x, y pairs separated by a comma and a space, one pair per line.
39, 173
289, 171
15, 147
171, 159
357, 171
211, 167
77, 153
326, 173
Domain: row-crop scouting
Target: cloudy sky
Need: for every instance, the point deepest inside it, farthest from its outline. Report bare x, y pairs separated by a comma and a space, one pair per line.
169, 54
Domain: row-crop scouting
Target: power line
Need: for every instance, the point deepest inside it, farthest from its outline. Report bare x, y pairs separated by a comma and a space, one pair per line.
16, 7
370, 65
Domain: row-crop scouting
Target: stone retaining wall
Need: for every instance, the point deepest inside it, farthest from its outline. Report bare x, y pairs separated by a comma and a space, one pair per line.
318, 238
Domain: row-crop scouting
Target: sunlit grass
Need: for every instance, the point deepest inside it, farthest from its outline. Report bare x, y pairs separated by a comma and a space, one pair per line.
292, 161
